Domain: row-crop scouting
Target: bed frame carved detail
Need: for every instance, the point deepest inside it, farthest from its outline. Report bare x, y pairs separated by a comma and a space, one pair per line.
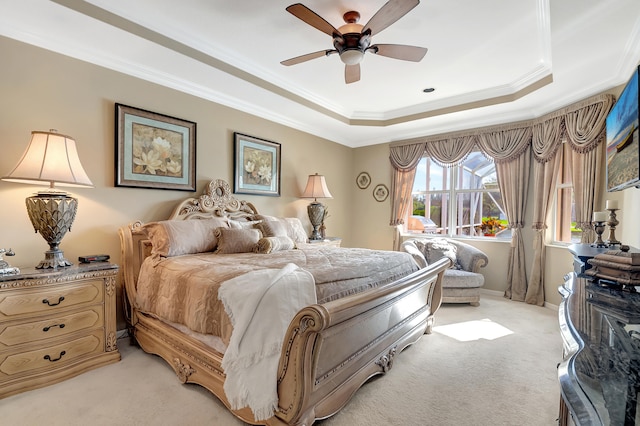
183, 371
329, 350
386, 361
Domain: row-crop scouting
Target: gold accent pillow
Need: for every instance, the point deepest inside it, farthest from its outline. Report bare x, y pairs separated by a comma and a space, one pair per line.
273, 228
236, 240
270, 244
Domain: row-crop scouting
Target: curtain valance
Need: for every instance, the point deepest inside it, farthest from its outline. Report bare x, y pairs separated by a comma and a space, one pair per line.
581, 123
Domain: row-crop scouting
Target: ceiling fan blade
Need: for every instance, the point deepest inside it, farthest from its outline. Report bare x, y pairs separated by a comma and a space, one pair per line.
307, 57
351, 73
399, 51
389, 13
310, 17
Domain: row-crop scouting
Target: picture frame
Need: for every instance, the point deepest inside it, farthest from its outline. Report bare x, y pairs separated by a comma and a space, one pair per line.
256, 168
363, 180
380, 192
154, 150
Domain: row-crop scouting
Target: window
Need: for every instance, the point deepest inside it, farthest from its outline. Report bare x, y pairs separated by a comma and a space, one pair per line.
564, 211
460, 200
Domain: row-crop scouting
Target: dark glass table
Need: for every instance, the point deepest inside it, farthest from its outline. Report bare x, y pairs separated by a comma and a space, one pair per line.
600, 372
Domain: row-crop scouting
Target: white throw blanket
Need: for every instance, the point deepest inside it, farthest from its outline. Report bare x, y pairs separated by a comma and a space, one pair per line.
260, 304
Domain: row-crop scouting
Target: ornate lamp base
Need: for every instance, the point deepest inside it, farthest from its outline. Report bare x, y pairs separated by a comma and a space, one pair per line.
316, 217
52, 214
53, 259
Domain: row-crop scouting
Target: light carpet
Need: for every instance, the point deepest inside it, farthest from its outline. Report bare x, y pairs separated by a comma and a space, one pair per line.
489, 365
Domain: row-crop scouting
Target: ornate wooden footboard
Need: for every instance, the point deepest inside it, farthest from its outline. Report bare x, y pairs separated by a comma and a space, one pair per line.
329, 349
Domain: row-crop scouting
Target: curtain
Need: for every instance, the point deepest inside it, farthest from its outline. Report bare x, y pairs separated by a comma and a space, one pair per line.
512, 154
586, 132
586, 171
404, 159
546, 140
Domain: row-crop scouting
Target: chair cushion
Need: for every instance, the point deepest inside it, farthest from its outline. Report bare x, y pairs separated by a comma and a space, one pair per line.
456, 278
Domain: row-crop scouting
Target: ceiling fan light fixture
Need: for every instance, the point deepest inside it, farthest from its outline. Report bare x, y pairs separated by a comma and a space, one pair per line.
351, 56
351, 28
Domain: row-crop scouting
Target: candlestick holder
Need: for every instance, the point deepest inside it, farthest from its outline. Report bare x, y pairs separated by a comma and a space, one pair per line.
612, 222
598, 226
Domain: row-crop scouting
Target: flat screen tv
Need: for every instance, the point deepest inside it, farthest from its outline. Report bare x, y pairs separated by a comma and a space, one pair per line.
623, 149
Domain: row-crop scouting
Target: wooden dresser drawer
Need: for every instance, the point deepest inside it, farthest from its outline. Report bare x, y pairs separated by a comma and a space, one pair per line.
54, 356
26, 303
18, 333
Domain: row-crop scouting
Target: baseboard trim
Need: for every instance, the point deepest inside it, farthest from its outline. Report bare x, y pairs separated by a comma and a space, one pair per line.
498, 293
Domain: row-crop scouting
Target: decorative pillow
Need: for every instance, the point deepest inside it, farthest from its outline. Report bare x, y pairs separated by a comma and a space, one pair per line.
293, 225
273, 228
236, 240
298, 235
243, 224
437, 248
178, 237
270, 244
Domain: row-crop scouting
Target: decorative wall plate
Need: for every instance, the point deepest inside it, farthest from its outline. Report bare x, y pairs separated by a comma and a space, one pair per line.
380, 192
363, 180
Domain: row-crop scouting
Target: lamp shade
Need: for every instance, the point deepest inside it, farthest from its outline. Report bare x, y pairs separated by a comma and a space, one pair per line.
316, 188
52, 158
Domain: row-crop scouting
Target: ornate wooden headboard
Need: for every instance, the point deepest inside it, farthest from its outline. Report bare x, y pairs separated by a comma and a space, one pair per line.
216, 200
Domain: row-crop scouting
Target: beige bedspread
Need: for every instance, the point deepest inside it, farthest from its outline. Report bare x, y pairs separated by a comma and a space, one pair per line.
184, 289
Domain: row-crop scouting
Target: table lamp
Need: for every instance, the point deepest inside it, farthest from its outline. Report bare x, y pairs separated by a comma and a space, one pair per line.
316, 188
51, 158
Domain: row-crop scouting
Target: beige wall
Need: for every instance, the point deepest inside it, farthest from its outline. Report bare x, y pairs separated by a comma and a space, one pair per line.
41, 90
369, 217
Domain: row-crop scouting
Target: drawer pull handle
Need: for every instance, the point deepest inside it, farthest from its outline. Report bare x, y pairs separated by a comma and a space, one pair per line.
48, 358
51, 326
60, 299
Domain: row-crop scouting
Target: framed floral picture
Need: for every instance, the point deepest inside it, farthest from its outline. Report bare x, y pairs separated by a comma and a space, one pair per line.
380, 192
363, 180
154, 150
256, 166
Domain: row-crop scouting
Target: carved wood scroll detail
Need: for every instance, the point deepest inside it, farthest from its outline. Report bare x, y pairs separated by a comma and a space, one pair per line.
110, 285
112, 342
60, 279
183, 371
217, 200
386, 361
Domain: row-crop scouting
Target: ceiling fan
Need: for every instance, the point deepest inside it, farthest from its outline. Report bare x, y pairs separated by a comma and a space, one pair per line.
352, 40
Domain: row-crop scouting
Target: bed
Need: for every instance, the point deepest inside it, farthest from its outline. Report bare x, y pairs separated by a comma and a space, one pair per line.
330, 348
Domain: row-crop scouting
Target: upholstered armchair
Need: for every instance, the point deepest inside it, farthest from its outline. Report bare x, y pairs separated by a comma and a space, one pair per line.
462, 282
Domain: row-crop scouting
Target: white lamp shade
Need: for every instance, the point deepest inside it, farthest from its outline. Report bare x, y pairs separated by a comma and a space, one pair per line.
50, 157
316, 188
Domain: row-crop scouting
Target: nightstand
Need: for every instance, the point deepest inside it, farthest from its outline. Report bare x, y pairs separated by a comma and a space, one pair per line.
327, 242
56, 324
